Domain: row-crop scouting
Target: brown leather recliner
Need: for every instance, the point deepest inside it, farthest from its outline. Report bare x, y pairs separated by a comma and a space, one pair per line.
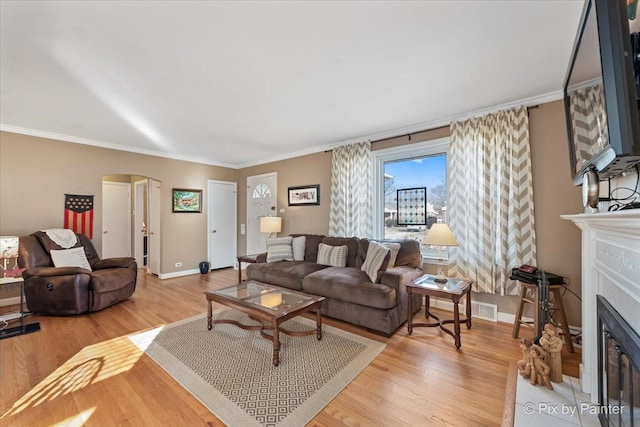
72, 290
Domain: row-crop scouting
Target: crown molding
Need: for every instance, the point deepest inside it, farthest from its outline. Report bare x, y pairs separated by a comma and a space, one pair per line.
109, 145
415, 128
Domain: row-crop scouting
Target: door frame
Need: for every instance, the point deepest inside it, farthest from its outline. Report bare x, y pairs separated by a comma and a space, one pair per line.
249, 199
138, 238
234, 220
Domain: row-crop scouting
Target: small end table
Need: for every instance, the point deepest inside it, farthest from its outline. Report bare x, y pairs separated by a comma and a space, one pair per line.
452, 289
250, 259
24, 328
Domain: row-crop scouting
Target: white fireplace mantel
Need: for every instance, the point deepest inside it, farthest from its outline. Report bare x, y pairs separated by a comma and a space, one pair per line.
611, 268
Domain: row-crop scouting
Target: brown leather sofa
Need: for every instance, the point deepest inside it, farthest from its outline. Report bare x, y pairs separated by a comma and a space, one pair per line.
72, 290
380, 307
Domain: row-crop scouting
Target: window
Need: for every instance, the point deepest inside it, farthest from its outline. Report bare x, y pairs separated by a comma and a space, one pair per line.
407, 170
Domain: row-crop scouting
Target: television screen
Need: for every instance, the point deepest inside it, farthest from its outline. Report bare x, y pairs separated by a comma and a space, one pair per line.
600, 93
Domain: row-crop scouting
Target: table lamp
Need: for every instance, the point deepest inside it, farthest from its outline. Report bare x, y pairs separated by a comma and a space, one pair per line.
8, 255
440, 235
270, 224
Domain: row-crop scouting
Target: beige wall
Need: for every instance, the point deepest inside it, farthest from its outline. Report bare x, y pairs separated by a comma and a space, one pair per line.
558, 241
39, 172
35, 173
305, 170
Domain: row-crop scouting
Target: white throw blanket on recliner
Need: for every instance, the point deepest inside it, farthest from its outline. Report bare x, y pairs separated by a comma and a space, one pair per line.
63, 237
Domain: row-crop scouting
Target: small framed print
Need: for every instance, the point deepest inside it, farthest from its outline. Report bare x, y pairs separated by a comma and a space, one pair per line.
412, 206
305, 195
186, 200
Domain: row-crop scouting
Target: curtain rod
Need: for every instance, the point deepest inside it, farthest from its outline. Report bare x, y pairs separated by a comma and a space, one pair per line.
408, 135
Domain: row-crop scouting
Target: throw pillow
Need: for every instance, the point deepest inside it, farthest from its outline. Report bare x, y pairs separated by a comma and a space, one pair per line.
298, 245
395, 249
74, 257
333, 256
279, 249
376, 254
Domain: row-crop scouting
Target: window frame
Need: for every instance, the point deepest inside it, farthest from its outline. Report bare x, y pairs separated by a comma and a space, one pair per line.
404, 152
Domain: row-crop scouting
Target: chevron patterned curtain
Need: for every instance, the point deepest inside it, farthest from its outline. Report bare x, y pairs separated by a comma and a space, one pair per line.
351, 193
589, 122
491, 200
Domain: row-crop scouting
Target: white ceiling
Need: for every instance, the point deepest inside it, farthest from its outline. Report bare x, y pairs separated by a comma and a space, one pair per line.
241, 83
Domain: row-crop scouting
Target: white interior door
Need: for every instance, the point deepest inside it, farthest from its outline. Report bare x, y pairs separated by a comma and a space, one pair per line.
116, 219
222, 221
262, 195
153, 228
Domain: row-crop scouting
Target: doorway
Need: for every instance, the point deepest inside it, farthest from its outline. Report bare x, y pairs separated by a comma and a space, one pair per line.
141, 229
262, 196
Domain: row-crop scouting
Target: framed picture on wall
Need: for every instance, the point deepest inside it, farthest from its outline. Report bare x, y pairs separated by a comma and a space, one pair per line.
186, 200
305, 195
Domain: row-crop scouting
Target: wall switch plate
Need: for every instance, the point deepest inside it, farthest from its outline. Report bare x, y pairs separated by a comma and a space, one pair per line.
243, 229
281, 210
178, 264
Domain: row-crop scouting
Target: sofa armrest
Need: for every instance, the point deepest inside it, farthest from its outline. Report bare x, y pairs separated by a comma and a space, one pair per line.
53, 271
397, 276
124, 262
261, 257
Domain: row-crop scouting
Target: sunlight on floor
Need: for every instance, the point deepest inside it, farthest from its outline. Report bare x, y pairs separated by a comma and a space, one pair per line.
91, 365
78, 420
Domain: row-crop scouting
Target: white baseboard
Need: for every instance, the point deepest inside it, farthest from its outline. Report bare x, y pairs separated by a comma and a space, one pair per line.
9, 301
179, 274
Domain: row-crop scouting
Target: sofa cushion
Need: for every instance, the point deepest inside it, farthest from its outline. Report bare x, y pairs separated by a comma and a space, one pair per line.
312, 241
297, 245
409, 254
334, 256
349, 284
288, 274
279, 249
394, 249
376, 261
112, 279
351, 243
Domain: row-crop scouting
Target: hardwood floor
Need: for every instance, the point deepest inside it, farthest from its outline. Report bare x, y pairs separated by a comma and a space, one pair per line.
82, 370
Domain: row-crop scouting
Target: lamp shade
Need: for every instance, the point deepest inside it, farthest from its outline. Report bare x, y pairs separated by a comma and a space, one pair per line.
8, 247
270, 224
9, 256
440, 235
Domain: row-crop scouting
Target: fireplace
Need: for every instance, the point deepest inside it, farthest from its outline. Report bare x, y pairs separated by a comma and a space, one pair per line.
618, 368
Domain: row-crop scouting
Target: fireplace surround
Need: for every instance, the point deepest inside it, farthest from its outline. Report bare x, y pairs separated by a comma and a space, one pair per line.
610, 270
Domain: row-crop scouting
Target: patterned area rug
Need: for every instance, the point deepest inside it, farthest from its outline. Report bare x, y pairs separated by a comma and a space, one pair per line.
230, 370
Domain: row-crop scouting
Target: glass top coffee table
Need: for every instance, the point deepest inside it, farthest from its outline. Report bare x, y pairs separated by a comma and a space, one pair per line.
270, 305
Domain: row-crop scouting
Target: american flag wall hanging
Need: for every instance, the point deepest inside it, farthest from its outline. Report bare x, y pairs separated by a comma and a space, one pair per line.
78, 213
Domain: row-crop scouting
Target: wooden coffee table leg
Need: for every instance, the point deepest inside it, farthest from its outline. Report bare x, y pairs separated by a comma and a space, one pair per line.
468, 313
319, 324
276, 344
456, 323
209, 314
409, 311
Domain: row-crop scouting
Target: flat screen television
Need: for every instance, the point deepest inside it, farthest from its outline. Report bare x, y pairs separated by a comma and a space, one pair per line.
600, 94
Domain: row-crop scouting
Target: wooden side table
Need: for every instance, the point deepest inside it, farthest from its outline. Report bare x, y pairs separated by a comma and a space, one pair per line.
452, 289
250, 259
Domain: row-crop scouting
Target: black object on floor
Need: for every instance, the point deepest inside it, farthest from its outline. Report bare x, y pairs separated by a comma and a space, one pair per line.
19, 330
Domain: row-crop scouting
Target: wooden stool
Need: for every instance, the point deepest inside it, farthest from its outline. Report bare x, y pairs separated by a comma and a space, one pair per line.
554, 290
